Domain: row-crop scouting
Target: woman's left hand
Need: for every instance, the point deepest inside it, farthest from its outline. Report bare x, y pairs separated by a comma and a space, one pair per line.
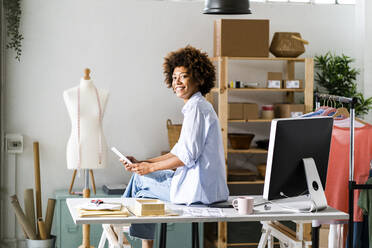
141, 168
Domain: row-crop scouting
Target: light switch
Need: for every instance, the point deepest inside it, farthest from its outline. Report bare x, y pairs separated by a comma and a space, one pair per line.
14, 143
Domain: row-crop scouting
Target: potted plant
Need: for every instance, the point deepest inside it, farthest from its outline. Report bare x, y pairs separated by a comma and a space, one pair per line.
12, 10
335, 76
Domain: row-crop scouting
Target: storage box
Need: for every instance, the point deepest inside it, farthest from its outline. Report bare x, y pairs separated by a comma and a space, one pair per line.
274, 76
243, 111
292, 84
250, 111
236, 111
283, 110
274, 80
274, 84
241, 38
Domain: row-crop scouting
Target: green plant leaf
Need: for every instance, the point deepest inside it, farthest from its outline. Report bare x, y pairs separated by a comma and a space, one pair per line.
335, 74
12, 11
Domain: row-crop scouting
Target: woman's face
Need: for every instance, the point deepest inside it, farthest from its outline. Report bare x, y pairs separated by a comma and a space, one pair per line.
182, 83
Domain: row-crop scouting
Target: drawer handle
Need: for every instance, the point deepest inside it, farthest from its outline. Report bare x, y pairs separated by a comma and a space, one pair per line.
72, 228
170, 227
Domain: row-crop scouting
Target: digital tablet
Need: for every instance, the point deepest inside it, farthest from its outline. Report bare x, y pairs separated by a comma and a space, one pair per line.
120, 155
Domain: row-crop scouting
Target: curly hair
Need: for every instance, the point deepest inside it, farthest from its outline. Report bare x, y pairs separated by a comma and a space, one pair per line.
197, 64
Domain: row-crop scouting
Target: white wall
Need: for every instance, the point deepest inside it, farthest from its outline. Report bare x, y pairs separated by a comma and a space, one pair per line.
124, 43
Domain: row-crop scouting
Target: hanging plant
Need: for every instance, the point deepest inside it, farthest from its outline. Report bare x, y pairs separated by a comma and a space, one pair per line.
12, 9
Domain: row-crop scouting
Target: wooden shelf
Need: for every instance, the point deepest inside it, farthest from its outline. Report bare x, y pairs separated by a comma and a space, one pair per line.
222, 93
264, 90
246, 182
252, 151
215, 90
252, 120
260, 58
241, 172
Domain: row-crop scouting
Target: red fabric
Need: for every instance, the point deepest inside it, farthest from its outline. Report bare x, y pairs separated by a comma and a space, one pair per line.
338, 167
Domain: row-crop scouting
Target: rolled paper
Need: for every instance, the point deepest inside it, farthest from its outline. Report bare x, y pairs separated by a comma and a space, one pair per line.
42, 231
49, 215
30, 207
22, 219
37, 180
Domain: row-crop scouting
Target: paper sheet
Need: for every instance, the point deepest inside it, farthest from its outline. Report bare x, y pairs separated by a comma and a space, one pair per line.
203, 212
122, 212
103, 206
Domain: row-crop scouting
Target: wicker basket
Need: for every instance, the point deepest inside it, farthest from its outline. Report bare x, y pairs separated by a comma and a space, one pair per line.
240, 140
174, 131
284, 45
261, 170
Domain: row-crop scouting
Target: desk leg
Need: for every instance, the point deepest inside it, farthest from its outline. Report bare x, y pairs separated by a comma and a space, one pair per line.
315, 236
163, 235
195, 235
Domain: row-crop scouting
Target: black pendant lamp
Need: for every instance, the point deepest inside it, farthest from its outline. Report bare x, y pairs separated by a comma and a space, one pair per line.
227, 7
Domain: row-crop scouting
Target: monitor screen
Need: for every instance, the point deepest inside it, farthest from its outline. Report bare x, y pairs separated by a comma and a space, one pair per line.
291, 140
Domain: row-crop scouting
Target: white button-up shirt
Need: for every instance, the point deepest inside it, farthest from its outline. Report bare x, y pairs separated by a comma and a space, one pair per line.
200, 148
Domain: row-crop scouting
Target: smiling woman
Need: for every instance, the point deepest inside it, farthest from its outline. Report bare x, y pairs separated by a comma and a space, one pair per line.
195, 64
194, 170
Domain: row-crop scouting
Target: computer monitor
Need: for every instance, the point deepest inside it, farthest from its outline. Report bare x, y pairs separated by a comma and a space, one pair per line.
291, 141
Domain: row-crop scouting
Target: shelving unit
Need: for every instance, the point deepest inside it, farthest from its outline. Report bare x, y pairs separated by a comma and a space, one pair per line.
223, 91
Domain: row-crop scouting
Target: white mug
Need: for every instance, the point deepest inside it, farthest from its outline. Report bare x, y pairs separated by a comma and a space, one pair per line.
244, 204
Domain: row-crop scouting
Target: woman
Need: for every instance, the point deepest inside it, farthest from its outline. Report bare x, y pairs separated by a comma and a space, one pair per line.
198, 156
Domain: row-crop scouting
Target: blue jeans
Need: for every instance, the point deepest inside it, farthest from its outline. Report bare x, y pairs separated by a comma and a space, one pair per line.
154, 185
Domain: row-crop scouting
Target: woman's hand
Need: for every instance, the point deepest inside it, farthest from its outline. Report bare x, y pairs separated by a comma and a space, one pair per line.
127, 166
141, 168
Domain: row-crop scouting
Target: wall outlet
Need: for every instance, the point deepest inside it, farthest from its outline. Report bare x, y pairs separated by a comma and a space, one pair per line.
14, 143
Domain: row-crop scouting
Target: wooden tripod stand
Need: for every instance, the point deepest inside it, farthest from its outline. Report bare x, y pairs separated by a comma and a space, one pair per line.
86, 194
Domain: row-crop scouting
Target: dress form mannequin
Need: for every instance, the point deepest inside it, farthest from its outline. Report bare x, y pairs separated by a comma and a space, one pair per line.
86, 147
92, 152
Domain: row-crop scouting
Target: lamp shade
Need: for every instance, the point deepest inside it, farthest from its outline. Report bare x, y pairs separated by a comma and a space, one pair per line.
226, 7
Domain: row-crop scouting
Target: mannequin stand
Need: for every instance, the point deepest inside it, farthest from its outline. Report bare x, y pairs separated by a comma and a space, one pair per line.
73, 181
86, 194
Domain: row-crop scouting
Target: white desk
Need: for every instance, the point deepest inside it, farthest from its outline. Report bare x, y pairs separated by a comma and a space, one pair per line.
229, 215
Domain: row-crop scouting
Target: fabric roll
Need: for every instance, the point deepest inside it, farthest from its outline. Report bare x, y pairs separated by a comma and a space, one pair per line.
22, 219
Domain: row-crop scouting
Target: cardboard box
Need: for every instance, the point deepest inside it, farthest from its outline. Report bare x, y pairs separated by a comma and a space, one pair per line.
274, 84
243, 111
274, 80
241, 38
250, 111
292, 84
236, 111
283, 110
274, 76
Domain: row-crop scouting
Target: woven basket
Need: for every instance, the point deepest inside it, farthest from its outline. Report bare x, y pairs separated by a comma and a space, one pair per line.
174, 131
240, 140
284, 45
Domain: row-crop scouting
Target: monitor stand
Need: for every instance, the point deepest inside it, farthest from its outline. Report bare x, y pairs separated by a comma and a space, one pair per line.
314, 185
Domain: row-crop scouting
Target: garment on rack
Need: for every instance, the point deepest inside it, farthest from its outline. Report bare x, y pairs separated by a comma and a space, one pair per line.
338, 167
346, 123
360, 234
365, 202
340, 121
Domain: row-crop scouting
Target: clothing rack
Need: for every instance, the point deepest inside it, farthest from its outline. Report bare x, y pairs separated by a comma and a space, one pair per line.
352, 184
